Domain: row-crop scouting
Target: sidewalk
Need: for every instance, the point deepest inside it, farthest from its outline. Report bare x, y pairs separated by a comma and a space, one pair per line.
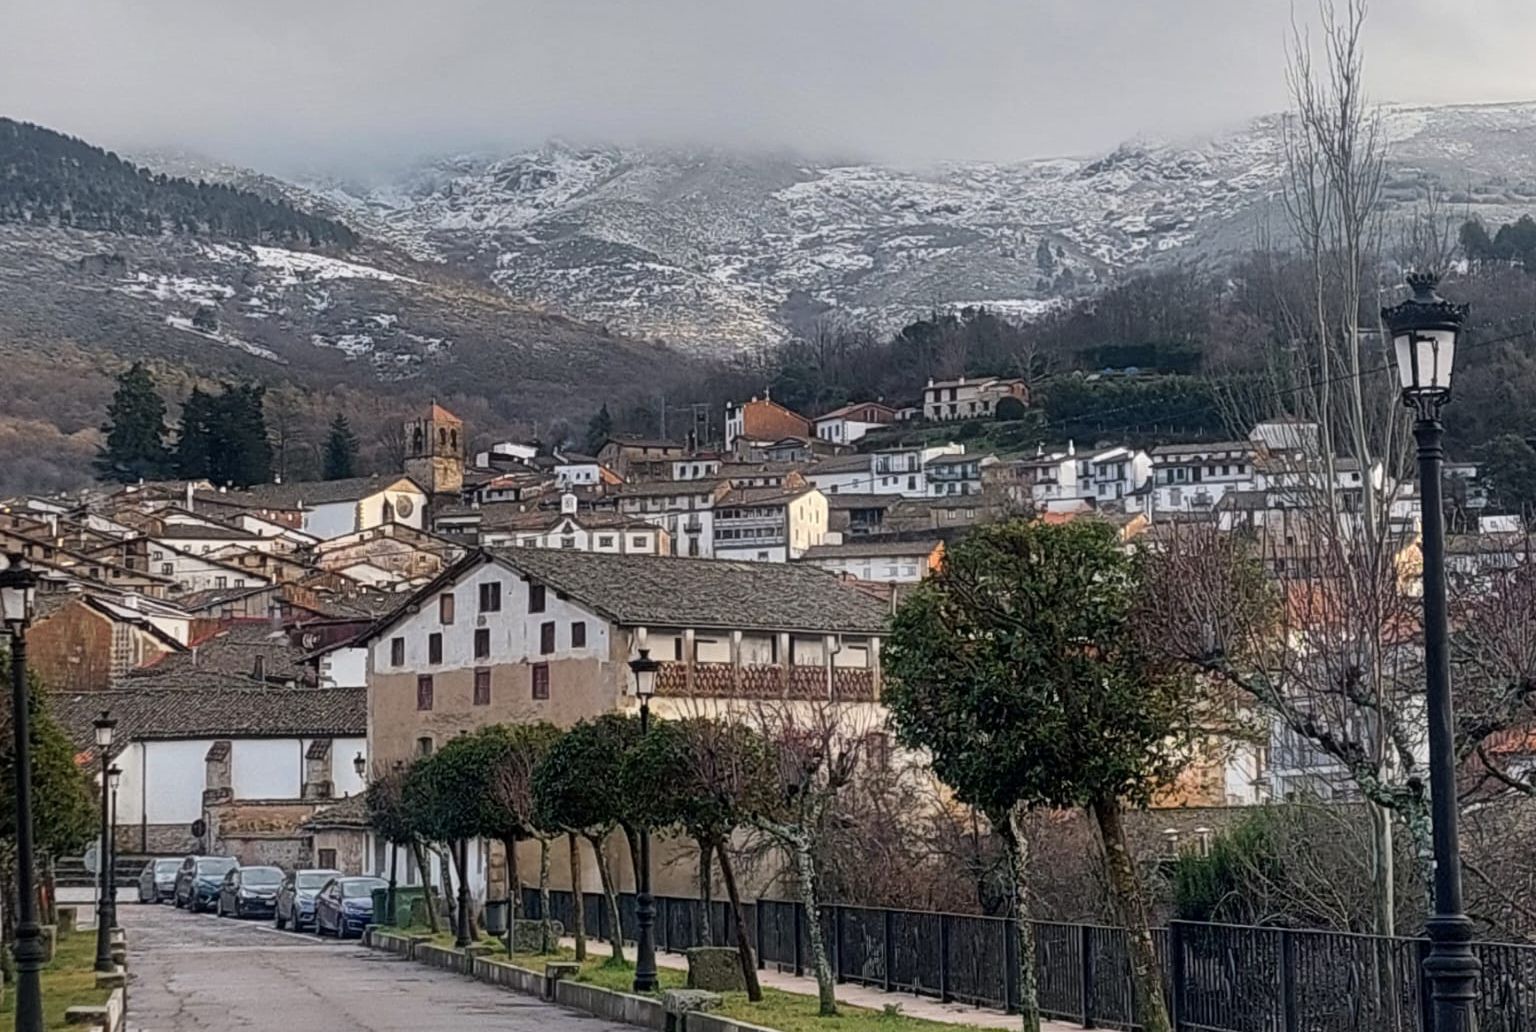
861, 996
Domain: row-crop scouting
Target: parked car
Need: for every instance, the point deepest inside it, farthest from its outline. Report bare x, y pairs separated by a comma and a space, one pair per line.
198, 881
157, 882
249, 892
296, 897
345, 906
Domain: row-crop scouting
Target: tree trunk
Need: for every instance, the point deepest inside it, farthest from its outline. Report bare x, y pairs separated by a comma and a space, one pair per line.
739, 919
1125, 887
578, 898
1018, 855
1383, 871
805, 870
611, 895
632, 837
426, 882
705, 914
450, 898
546, 938
514, 894
461, 867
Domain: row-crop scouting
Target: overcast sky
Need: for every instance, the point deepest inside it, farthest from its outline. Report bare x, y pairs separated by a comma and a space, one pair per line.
358, 83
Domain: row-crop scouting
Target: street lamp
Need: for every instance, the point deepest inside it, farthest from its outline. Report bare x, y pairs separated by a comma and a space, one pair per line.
18, 594
360, 765
1424, 331
114, 778
106, 911
644, 669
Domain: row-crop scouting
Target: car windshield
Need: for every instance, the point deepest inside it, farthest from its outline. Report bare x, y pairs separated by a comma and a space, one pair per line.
218, 865
261, 876
167, 866
355, 888
313, 879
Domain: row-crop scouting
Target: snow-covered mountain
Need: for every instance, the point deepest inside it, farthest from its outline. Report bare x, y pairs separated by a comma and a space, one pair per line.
720, 250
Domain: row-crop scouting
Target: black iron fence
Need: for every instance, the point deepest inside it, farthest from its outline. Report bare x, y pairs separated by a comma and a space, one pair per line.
1218, 978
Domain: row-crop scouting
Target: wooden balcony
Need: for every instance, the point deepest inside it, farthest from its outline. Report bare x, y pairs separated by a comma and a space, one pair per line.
763, 681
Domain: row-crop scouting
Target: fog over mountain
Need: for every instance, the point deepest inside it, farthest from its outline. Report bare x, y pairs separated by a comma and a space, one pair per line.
350, 86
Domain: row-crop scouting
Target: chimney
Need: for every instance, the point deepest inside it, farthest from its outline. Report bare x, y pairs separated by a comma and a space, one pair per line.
277, 478
1071, 448
568, 504
194, 655
190, 494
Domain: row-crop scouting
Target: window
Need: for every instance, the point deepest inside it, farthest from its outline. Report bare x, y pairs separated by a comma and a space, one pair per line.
397, 652
637, 541
541, 680
490, 597
482, 687
424, 745
568, 542
579, 634
605, 541
167, 569
546, 637
327, 858
445, 608
221, 582
482, 642
424, 692
434, 647
535, 598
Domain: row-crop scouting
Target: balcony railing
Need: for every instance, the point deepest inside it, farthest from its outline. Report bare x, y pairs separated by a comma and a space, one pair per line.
764, 681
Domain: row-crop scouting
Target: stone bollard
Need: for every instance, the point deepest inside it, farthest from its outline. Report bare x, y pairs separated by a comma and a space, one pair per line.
68, 920
528, 936
50, 939
677, 1004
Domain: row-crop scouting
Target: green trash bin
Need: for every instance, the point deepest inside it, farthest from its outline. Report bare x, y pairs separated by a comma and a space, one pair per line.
405, 903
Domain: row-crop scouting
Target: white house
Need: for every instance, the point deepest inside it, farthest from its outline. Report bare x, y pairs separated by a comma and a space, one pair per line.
572, 470
975, 398
902, 470
696, 467
683, 509
582, 531
888, 562
1114, 475
193, 572
1194, 477
851, 422
769, 524
331, 508
956, 474
844, 474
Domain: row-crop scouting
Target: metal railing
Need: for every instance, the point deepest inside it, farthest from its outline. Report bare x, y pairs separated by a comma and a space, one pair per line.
1217, 978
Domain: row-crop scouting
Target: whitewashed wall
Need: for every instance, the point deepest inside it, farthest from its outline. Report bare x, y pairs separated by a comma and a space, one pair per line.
267, 768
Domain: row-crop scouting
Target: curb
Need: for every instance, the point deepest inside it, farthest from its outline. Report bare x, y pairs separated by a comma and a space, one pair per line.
625, 1008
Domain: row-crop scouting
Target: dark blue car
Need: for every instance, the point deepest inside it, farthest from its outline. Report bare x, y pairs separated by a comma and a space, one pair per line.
296, 899
199, 880
345, 906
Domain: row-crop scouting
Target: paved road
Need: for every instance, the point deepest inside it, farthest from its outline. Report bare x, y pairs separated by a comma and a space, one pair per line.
195, 973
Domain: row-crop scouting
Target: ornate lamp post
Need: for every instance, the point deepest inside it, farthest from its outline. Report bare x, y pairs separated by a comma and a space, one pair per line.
18, 592
114, 778
106, 911
1424, 331
644, 669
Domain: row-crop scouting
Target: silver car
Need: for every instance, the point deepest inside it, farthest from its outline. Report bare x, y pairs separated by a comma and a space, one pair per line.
157, 882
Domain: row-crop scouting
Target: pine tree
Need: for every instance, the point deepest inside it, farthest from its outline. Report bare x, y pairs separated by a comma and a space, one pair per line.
224, 437
135, 430
194, 436
599, 429
340, 450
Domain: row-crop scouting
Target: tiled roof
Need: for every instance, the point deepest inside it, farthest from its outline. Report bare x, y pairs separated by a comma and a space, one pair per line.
309, 493
763, 495
840, 464
854, 500
862, 549
351, 812
681, 592
666, 488
154, 713
954, 460
225, 660
213, 598
202, 532
837, 413
1170, 450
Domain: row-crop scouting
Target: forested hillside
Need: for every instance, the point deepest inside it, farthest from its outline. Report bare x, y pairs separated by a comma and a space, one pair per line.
48, 178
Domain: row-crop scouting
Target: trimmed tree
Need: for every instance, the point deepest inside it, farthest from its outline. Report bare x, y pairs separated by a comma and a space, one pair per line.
579, 786
512, 813
1019, 668
387, 815
705, 777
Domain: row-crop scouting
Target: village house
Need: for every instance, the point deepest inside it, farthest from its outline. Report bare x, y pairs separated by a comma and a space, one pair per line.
956, 474
851, 422
83, 642
525, 634
699, 466
897, 561
641, 458
976, 398
769, 524
763, 419
1194, 477
1113, 475
683, 509
583, 531
329, 509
